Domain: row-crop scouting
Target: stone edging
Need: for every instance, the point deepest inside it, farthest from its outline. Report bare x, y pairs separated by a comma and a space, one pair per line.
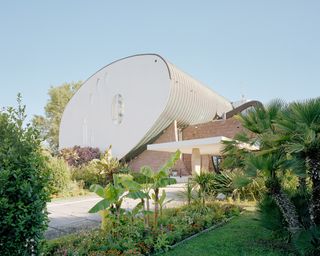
202, 232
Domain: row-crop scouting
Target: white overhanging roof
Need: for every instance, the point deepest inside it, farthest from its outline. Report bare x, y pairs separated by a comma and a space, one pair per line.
207, 146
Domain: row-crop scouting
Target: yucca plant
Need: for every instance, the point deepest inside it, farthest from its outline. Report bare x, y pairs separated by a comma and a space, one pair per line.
188, 192
202, 183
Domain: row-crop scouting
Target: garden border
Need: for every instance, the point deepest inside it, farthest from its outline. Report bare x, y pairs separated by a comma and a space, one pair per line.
199, 233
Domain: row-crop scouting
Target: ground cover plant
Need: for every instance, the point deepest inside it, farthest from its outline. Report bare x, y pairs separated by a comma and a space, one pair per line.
241, 236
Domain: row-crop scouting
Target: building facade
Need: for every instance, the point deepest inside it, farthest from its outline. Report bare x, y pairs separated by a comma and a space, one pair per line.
145, 100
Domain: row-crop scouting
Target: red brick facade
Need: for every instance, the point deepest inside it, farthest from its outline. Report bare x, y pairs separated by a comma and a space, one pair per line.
155, 159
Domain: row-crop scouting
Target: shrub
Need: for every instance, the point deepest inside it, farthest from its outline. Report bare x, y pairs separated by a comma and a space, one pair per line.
60, 175
308, 241
23, 183
78, 156
88, 175
271, 217
135, 239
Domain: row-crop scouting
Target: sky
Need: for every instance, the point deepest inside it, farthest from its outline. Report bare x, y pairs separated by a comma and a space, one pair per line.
260, 49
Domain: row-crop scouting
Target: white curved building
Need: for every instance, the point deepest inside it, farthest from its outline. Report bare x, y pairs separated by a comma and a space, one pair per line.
131, 101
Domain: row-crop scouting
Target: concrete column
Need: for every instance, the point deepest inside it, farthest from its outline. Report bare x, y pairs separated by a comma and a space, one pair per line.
196, 161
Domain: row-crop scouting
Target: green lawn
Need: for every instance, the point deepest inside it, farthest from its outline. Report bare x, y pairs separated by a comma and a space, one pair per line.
242, 236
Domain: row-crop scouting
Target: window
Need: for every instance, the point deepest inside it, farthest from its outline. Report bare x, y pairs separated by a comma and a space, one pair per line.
117, 109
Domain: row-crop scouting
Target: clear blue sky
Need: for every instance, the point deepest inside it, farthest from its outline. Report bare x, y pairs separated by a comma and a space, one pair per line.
262, 49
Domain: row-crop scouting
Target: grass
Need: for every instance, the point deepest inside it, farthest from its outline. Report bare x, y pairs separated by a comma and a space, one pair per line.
241, 236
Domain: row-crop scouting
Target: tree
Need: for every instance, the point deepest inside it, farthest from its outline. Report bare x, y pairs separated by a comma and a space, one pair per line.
300, 128
270, 159
23, 185
49, 124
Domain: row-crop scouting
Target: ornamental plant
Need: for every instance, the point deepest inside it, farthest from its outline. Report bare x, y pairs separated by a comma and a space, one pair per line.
23, 185
160, 179
112, 197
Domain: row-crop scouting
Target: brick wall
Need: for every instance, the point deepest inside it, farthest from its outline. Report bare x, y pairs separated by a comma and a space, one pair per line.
156, 159
227, 128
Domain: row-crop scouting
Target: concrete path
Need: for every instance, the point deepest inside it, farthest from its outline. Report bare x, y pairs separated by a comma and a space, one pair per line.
71, 215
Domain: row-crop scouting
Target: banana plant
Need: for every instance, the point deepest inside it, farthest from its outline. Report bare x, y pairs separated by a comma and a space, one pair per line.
139, 193
113, 195
159, 180
162, 201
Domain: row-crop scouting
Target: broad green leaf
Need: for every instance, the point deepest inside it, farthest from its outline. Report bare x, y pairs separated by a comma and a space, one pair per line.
137, 208
162, 197
147, 171
102, 205
130, 184
99, 190
111, 193
137, 195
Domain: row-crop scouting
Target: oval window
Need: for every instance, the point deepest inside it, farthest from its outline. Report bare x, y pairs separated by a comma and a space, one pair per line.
117, 109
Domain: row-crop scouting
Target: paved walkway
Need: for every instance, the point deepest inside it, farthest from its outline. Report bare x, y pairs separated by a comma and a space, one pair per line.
71, 215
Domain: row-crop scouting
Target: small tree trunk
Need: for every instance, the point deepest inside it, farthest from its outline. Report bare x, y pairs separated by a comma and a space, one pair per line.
148, 209
156, 207
203, 198
144, 210
314, 166
103, 214
288, 211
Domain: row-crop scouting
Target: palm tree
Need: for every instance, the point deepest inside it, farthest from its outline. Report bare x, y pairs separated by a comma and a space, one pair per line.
270, 159
300, 126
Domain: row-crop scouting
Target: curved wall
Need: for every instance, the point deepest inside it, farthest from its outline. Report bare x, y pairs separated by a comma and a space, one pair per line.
130, 101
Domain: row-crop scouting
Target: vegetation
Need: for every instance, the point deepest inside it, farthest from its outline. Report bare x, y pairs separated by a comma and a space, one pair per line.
113, 195
87, 175
79, 156
276, 162
131, 237
60, 175
23, 185
107, 166
48, 125
288, 140
242, 236
61, 181
158, 180
122, 186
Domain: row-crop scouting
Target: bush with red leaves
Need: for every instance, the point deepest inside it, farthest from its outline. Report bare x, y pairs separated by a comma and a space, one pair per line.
78, 156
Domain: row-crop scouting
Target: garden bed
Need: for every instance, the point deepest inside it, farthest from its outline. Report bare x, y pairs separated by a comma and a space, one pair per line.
130, 236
